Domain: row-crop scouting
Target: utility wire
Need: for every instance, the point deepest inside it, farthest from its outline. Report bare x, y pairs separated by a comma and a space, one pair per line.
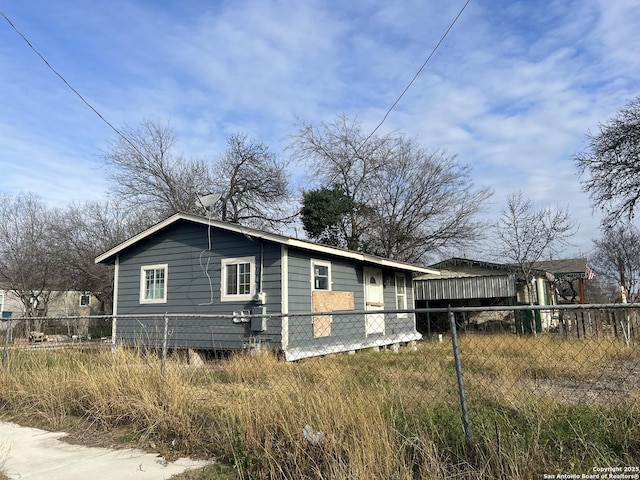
418, 72
124, 137
118, 132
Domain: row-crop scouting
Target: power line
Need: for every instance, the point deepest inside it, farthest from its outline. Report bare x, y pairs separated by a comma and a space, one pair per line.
118, 132
433, 51
124, 137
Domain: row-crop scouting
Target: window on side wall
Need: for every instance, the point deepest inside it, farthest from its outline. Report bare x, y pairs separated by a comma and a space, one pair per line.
85, 299
153, 283
401, 293
238, 279
321, 275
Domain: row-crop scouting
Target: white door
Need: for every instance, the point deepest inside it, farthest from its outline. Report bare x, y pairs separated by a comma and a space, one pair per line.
374, 300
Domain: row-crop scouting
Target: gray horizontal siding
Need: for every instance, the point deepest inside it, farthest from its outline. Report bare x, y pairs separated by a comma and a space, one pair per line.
199, 333
345, 277
193, 280
346, 329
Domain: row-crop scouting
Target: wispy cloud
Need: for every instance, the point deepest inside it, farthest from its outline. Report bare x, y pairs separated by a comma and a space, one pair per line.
512, 91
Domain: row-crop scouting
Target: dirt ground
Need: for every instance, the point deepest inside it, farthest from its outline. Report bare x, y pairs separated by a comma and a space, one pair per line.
617, 385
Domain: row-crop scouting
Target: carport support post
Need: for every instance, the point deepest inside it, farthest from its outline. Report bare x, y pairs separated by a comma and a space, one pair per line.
461, 390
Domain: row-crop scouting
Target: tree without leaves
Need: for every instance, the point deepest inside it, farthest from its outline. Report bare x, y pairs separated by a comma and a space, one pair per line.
411, 202
79, 233
253, 183
422, 202
147, 175
611, 164
28, 266
527, 236
616, 258
337, 154
151, 178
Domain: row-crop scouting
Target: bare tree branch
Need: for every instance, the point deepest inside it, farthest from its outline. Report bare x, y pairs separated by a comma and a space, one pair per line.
616, 258
527, 236
28, 265
407, 203
610, 165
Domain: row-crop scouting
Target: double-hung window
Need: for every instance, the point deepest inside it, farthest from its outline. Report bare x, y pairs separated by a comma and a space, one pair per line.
321, 275
153, 283
238, 279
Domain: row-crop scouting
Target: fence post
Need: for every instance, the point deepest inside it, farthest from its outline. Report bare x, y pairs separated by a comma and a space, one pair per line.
461, 390
164, 346
7, 335
114, 328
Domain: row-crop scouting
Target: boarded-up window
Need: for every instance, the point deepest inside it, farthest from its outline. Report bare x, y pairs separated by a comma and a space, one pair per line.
328, 301
322, 326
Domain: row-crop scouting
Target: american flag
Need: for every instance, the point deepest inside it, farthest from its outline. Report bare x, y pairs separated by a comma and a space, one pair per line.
589, 274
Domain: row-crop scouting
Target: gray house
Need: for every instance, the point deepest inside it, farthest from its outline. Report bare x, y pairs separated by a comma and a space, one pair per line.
244, 286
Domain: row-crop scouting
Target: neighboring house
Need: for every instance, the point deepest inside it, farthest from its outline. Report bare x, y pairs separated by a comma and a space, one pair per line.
189, 264
569, 278
59, 304
475, 283
65, 310
9, 304
72, 303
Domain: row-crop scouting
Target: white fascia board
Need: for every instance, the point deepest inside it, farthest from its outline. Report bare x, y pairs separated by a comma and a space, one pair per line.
136, 238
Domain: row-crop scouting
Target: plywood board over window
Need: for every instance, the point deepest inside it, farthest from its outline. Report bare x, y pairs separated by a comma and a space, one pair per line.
328, 301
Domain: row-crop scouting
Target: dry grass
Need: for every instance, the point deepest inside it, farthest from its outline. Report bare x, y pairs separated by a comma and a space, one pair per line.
515, 369
381, 414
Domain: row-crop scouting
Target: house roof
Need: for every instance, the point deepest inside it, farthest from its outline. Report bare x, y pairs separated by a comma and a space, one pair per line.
563, 267
466, 262
566, 268
110, 255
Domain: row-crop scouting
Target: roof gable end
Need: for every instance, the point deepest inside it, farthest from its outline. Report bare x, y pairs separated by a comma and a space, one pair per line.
109, 255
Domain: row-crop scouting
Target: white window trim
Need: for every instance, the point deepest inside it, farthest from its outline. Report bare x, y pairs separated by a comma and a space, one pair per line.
224, 297
401, 276
143, 270
322, 263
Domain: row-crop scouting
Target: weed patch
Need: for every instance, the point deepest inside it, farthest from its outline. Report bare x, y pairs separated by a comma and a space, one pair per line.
370, 415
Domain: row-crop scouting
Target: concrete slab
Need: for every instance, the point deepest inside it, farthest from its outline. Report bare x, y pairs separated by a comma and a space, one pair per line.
34, 454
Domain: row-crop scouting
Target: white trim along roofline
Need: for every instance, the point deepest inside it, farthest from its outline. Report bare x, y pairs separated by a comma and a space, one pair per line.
109, 255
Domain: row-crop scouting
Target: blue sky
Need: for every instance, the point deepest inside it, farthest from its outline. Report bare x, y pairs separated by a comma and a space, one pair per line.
512, 91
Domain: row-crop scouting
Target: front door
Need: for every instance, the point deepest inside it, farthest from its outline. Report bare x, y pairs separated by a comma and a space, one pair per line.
374, 300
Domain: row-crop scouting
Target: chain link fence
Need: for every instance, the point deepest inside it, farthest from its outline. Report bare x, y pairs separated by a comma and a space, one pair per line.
312, 369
